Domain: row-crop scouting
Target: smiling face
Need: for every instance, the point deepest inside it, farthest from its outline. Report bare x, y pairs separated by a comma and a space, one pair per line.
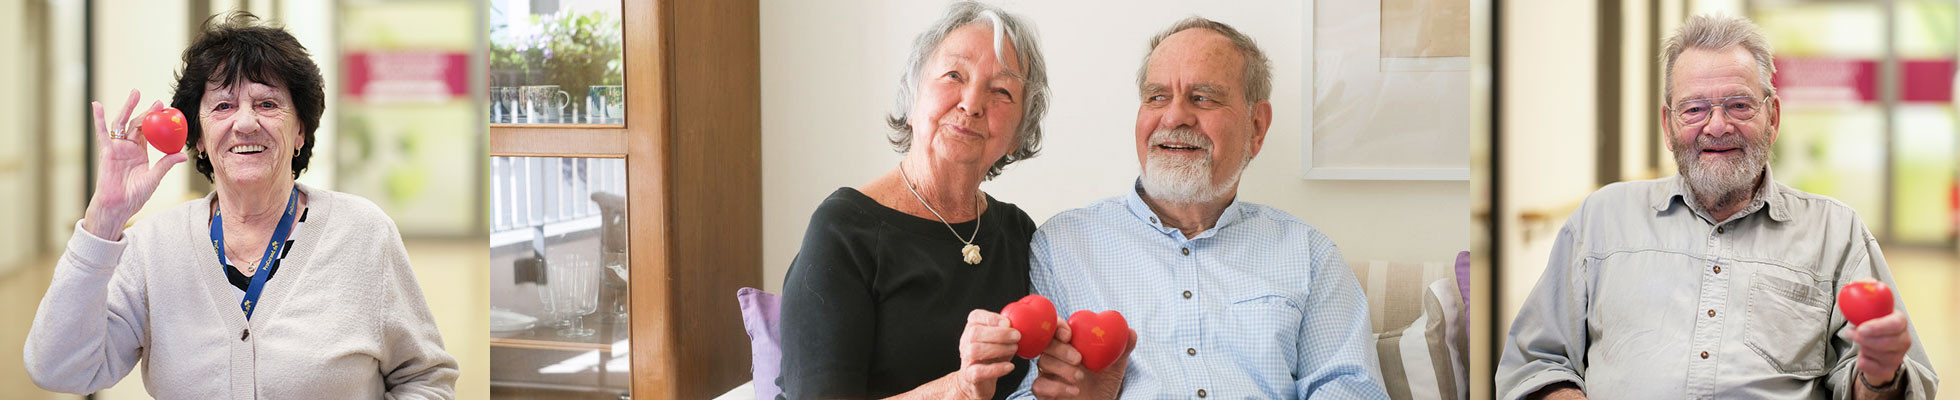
1195, 130
1720, 157
969, 104
250, 133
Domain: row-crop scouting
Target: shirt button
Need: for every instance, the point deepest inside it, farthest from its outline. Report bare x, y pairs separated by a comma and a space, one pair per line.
1191, 351
1704, 355
1719, 230
1153, 220
1187, 251
1201, 393
1187, 294
1711, 313
1718, 269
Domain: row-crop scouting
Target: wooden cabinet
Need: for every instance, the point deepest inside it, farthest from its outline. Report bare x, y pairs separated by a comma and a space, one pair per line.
688, 140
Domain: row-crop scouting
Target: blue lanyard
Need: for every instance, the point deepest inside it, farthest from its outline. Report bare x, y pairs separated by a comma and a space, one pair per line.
271, 249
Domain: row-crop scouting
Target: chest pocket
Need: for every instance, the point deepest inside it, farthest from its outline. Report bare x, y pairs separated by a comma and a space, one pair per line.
1268, 332
1788, 323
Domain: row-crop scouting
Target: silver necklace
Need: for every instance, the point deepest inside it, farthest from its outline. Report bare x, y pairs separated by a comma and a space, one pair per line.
970, 253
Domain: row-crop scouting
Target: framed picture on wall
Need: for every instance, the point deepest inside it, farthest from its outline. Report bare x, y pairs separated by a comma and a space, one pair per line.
1376, 70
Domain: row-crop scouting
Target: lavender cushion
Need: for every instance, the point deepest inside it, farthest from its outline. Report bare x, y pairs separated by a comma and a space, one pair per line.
1463, 285
761, 312
1463, 276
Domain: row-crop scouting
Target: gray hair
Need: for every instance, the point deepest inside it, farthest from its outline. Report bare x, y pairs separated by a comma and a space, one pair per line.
1034, 76
1717, 32
1258, 69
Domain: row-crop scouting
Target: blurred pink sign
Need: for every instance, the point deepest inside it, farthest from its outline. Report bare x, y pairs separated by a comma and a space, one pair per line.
1845, 80
407, 76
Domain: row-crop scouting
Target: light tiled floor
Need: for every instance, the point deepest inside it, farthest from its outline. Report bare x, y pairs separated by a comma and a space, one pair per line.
20, 293
451, 273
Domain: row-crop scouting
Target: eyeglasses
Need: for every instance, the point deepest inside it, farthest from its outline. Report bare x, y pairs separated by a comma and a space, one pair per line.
1695, 112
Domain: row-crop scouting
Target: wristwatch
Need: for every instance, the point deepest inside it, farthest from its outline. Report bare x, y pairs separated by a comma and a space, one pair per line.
1889, 387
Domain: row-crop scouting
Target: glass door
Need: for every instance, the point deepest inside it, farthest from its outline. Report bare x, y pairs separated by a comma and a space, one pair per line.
560, 259
559, 283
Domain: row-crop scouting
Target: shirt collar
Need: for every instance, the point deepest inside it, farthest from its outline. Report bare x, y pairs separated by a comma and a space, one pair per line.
1766, 198
1134, 201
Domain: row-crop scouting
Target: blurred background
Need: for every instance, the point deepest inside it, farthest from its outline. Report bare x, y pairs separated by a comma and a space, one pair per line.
402, 128
1571, 90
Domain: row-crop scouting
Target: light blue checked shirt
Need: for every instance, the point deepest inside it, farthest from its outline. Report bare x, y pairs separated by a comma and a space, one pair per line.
1259, 306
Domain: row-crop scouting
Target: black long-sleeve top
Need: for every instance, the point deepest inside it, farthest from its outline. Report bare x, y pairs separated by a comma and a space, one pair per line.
876, 299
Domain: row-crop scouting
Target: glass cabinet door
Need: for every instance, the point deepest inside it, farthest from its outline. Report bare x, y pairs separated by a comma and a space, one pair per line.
558, 278
556, 62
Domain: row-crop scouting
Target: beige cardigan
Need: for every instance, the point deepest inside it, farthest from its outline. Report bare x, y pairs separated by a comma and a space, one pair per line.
344, 318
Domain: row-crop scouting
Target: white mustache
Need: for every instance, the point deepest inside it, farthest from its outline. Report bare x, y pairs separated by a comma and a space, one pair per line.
1184, 135
1730, 141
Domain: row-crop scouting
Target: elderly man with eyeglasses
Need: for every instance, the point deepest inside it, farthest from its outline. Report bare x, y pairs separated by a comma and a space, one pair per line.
1720, 282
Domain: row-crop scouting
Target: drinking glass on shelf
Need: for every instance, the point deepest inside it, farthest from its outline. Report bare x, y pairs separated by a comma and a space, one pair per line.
574, 292
605, 104
548, 315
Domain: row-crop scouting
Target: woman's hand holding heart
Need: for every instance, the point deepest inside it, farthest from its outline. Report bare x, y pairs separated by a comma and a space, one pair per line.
987, 347
125, 178
986, 353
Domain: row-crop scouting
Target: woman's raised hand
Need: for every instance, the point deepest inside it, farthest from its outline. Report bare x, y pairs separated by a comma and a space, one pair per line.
125, 179
986, 353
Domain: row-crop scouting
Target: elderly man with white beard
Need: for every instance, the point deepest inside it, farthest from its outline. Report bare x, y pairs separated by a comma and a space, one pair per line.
1225, 298
1719, 282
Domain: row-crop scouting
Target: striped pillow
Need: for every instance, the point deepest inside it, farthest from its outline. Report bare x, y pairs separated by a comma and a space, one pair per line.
1417, 315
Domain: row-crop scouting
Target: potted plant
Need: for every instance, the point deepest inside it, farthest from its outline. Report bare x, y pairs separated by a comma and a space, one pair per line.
580, 50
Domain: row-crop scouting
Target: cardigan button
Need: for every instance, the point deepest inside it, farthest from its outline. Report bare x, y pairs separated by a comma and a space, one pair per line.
244, 334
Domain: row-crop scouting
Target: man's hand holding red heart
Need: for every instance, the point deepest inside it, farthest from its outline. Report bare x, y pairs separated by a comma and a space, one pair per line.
1087, 359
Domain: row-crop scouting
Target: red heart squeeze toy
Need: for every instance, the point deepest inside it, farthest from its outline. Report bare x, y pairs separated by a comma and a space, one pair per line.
1864, 300
1101, 337
1034, 316
165, 129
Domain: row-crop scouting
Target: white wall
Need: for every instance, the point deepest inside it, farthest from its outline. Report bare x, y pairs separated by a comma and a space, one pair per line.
67, 151
1549, 152
139, 45
830, 69
16, 178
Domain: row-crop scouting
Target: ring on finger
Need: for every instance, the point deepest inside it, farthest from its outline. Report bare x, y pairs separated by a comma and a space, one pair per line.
117, 133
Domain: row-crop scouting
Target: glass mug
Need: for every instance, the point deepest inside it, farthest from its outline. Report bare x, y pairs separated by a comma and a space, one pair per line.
545, 103
504, 105
605, 103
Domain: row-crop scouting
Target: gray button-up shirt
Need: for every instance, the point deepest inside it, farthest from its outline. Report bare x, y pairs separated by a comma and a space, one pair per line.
1647, 296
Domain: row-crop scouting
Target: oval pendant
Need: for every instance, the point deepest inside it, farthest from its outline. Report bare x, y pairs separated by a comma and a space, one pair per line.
971, 253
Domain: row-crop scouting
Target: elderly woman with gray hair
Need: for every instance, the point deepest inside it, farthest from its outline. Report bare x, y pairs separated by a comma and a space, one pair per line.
890, 294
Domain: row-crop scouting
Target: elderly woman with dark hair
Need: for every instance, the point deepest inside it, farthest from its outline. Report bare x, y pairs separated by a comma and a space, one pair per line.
896, 287
210, 319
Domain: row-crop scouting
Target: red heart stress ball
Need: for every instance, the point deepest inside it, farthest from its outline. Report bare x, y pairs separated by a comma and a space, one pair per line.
1034, 316
1864, 300
165, 129
1101, 337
